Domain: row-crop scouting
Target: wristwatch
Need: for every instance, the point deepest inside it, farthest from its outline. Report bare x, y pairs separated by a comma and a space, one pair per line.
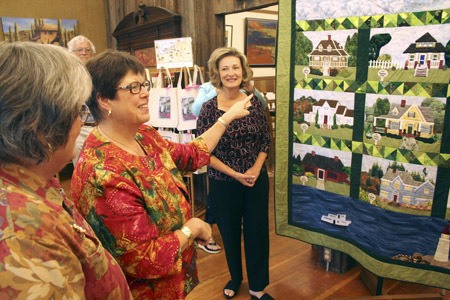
187, 232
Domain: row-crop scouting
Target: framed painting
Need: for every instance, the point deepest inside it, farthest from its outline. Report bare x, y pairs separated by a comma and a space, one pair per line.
228, 35
146, 56
44, 31
174, 53
260, 42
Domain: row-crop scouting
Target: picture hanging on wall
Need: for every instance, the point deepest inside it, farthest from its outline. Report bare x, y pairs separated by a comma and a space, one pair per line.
260, 42
44, 31
146, 56
228, 35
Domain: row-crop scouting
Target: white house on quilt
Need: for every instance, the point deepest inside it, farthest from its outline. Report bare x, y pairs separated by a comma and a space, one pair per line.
426, 53
327, 113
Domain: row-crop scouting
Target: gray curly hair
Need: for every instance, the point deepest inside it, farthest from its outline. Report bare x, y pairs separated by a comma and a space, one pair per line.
42, 88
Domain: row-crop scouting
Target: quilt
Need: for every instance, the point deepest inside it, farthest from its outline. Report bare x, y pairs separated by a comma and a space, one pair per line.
363, 124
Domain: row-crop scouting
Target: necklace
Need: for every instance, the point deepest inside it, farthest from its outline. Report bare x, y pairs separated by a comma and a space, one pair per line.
133, 151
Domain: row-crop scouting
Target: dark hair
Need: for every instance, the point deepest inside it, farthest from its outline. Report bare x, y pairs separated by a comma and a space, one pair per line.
107, 69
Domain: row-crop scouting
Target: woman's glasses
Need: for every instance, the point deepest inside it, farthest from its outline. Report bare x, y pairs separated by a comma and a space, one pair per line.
135, 87
84, 113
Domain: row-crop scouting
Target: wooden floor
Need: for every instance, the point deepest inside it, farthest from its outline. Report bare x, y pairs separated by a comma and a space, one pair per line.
295, 274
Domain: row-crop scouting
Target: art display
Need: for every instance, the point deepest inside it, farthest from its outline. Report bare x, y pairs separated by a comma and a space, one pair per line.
228, 35
367, 139
146, 56
44, 31
174, 53
260, 42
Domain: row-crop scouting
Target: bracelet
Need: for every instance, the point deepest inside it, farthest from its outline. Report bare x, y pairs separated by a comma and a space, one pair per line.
187, 232
223, 122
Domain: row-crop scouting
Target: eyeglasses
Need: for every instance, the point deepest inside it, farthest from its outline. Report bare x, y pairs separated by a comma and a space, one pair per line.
84, 113
86, 50
135, 87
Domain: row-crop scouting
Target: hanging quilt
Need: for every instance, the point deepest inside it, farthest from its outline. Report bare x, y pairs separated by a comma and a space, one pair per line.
366, 135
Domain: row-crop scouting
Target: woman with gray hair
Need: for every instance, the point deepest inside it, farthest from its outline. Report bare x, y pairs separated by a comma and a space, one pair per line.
47, 250
82, 47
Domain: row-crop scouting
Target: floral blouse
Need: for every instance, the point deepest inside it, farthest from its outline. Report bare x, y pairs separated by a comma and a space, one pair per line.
47, 250
135, 203
244, 139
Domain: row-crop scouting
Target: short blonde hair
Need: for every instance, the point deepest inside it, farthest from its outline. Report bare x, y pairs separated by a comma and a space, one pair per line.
213, 65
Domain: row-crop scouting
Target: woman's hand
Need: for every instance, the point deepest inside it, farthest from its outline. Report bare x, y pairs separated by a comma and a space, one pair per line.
238, 110
201, 230
254, 171
245, 179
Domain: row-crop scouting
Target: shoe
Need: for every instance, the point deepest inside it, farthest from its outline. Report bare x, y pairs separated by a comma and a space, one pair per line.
212, 247
232, 287
265, 296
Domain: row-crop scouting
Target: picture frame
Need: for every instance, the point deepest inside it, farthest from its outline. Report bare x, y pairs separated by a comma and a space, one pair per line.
260, 42
39, 30
229, 35
146, 56
174, 53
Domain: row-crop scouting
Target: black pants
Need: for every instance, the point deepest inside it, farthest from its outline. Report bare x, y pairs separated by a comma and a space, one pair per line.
236, 205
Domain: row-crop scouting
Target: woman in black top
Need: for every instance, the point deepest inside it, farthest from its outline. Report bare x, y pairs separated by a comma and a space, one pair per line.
238, 180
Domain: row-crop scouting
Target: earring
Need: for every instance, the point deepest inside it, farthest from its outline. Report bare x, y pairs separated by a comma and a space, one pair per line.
109, 113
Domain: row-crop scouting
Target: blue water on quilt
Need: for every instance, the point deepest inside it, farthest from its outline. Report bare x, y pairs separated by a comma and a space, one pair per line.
374, 230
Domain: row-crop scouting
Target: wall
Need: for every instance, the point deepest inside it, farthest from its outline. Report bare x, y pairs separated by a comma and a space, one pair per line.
89, 13
238, 40
204, 20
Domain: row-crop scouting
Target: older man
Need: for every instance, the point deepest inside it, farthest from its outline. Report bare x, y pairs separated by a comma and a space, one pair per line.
82, 47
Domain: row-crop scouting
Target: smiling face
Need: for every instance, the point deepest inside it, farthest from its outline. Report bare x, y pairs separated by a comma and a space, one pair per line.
127, 108
230, 72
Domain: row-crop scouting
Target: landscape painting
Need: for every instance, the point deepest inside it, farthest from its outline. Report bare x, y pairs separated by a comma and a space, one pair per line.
260, 42
44, 31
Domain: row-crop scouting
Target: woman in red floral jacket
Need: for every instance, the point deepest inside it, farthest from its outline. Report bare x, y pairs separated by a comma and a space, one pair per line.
128, 182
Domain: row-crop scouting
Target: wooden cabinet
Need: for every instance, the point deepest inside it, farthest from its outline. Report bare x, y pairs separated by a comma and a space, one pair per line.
139, 30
